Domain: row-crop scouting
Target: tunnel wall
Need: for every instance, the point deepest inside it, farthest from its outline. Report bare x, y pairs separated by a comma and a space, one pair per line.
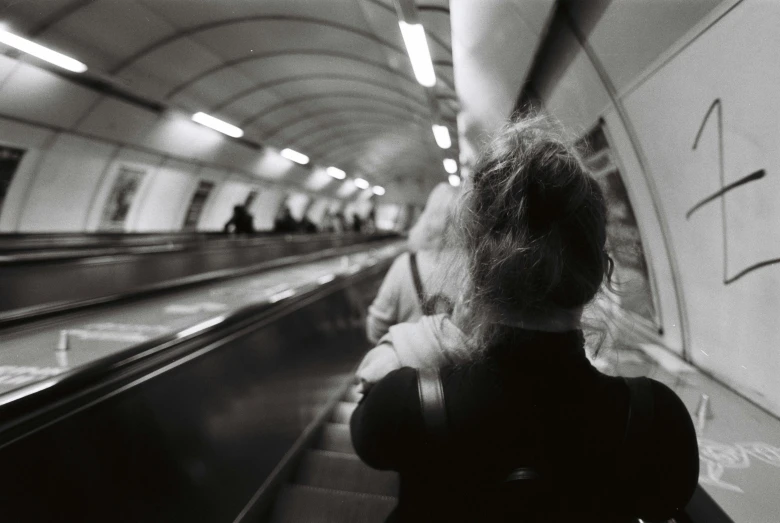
656, 75
77, 140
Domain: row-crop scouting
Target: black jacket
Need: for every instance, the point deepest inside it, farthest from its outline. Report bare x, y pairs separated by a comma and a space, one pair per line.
534, 401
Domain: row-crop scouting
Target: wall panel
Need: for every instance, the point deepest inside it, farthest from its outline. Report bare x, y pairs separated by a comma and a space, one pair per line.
61, 193
725, 80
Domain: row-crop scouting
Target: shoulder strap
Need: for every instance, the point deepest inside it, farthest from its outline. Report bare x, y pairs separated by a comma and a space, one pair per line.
638, 423
418, 287
434, 411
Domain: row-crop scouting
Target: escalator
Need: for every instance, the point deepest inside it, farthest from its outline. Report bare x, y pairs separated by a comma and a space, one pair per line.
330, 483
63, 273
187, 426
241, 418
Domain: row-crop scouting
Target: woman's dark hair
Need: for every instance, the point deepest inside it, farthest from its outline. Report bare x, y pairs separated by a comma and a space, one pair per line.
532, 225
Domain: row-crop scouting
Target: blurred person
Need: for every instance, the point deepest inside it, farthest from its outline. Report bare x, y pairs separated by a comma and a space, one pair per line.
328, 222
357, 223
411, 288
307, 226
242, 221
521, 427
285, 223
341, 222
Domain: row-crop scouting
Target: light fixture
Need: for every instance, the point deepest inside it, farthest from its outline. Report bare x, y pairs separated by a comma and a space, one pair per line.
295, 156
450, 165
218, 125
378, 190
417, 47
37, 50
454, 180
442, 135
360, 183
336, 173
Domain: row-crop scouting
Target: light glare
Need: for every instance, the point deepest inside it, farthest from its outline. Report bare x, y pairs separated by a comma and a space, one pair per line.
37, 50
336, 173
360, 183
442, 135
217, 125
295, 156
455, 180
378, 190
417, 47
450, 165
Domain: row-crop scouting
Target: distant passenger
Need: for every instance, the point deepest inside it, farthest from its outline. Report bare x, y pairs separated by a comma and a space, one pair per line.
519, 426
411, 287
370, 225
285, 223
328, 223
307, 226
357, 223
242, 221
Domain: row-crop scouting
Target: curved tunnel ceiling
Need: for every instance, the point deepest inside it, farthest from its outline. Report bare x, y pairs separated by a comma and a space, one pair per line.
331, 79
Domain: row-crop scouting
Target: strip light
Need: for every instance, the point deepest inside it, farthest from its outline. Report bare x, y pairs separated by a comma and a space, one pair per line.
37, 50
217, 125
295, 156
378, 190
360, 183
336, 173
450, 165
454, 180
417, 47
442, 135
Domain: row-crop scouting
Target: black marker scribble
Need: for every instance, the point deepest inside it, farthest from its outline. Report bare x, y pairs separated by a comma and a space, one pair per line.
749, 178
757, 175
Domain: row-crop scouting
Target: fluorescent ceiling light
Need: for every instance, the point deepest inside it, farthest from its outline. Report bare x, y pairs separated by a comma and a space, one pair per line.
442, 135
454, 180
295, 156
450, 165
336, 173
360, 183
218, 125
37, 50
417, 47
378, 190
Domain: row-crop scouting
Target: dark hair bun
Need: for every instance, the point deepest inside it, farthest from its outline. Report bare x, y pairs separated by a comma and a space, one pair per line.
534, 222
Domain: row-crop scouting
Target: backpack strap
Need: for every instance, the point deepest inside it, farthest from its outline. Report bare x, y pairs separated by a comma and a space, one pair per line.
434, 411
638, 424
418, 287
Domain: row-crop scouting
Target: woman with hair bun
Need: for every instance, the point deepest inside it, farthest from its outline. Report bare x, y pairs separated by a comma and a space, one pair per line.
522, 427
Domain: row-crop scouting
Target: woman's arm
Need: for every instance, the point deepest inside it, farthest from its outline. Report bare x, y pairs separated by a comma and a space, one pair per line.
383, 312
670, 464
387, 425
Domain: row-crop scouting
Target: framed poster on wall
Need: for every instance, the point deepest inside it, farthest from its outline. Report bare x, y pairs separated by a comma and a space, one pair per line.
120, 199
197, 204
10, 157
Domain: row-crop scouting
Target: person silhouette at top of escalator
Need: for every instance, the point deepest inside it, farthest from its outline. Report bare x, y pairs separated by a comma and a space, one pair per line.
285, 222
242, 221
357, 223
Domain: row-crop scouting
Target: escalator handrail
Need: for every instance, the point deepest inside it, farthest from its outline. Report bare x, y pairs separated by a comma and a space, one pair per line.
216, 242
16, 316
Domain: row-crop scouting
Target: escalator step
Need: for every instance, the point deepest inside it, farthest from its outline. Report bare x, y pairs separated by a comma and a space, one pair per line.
305, 504
343, 412
334, 470
336, 437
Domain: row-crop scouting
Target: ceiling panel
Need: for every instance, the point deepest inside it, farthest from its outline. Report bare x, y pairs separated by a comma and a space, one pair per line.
116, 29
332, 76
